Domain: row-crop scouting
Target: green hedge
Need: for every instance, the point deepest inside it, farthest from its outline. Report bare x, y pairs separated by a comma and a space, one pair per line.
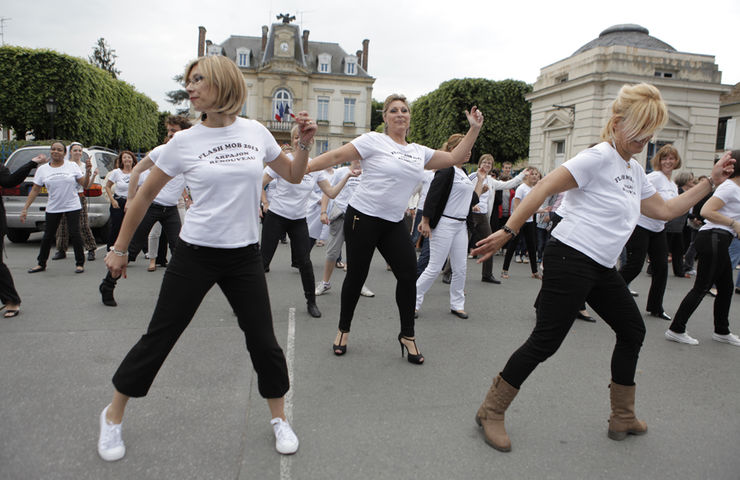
93, 108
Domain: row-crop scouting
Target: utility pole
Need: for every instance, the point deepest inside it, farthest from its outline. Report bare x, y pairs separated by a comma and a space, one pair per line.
2, 29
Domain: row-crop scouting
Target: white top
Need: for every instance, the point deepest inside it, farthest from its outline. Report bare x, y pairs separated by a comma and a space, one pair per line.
390, 171
458, 203
521, 192
426, 180
270, 190
483, 198
667, 190
728, 192
603, 211
505, 185
120, 180
61, 183
344, 196
223, 169
172, 191
289, 200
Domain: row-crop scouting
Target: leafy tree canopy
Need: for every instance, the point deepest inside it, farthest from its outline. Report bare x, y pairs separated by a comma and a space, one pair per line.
178, 97
104, 57
505, 133
376, 114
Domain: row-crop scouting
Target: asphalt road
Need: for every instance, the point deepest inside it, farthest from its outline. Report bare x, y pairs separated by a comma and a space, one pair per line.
367, 415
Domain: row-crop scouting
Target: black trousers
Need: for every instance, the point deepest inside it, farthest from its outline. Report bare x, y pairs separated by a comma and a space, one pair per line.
8, 293
643, 242
714, 268
273, 227
50, 232
116, 219
482, 229
170, 220
362, 235
190, 274
570, 278
528, 232
674, 241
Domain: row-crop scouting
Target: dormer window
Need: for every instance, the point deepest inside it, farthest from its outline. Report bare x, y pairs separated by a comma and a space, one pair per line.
324, 63
350, 65
243, 56
213, 50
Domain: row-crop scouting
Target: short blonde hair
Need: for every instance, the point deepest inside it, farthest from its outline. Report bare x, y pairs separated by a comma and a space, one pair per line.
665, 151
452, 142
484, 157
221, 73
641, 110
390, 99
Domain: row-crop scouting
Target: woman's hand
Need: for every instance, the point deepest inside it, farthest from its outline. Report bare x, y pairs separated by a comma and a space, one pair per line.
355, 172
307, 127
88, 165
723, 168
116, 264
475, 118
424, 228
40, 159
114, 204
324, 218
490, 245
736, 227
23, 214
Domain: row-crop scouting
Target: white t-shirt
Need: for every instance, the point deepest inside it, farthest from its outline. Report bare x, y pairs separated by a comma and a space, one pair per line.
390, 172
728, 192
289, 200
172, 190
426, 181
603, 211
667, 190
483, 199
344, 196
458, 203
223, 169
120, 180
61, 183
521, 192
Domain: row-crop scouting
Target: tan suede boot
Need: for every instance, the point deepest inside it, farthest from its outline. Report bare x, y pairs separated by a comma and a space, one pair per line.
622, 420
490, 415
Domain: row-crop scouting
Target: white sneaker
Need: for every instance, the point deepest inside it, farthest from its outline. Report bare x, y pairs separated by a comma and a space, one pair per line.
110, 443
322, 288
366, 292
681, 337
517, 258
286, 441
730, 338
525, 259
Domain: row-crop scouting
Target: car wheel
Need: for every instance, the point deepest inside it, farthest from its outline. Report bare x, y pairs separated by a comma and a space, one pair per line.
18, 235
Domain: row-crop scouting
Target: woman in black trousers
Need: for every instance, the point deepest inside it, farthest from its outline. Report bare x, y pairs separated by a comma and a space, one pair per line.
8, 294
528, 229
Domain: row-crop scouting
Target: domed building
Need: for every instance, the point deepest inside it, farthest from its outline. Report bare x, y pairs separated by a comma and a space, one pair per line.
571, 98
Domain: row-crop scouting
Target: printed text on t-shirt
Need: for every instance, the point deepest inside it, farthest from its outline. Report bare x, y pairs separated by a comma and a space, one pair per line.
230, 152
627, 183
406, 157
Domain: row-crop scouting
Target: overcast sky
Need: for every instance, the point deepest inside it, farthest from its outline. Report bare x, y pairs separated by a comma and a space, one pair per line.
414, 45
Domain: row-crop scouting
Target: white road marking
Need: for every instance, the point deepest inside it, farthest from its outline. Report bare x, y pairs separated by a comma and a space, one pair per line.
286, 460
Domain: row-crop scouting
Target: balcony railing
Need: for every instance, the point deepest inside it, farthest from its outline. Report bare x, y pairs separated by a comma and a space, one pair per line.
279, 126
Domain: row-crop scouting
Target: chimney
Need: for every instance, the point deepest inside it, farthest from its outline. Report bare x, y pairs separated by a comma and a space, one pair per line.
264, 37
201, 41
305, 41
365, 44
359, 57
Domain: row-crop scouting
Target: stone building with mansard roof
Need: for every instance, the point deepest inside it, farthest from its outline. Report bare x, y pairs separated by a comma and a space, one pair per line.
284, 70
571, 98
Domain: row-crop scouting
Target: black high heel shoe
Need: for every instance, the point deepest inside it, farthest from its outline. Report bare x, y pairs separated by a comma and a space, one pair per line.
339, 350
417, 359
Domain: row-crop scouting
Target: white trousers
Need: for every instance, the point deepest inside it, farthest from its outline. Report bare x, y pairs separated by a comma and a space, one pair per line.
450, 237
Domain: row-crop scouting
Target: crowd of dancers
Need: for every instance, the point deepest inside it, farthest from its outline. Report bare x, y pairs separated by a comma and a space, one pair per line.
583, 212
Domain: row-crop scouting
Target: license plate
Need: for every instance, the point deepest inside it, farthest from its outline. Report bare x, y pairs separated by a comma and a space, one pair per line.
44, 190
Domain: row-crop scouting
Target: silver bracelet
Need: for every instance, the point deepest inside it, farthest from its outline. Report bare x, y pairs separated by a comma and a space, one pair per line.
119, 253
304, 146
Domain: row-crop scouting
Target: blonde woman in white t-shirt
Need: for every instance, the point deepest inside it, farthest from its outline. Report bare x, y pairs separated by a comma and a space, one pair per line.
391, 168
607, 191
218, 243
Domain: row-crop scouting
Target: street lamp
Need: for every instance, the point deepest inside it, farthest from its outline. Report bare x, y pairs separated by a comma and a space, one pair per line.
51, 109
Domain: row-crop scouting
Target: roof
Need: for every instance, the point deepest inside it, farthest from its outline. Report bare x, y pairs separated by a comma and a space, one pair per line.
731, 97
627, 34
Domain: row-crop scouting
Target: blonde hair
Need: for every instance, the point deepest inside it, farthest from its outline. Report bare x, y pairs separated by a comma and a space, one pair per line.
390, 99
484, 157
641, 110
665, 151
221, 73
452, 142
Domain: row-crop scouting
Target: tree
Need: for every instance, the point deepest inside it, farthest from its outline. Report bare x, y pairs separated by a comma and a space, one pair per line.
505, 133
104, 57
177, 97
376, 114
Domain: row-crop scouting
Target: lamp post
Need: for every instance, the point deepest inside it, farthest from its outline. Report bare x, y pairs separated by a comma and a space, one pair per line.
51, 109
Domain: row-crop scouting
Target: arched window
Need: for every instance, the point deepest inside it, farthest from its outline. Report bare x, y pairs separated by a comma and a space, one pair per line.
282, 105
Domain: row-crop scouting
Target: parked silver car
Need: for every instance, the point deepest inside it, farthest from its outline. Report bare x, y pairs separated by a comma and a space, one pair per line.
98, 205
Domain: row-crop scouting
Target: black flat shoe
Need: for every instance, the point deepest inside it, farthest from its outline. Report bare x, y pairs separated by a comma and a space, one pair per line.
313, 310
11, 313
446, 278
91, 256
59, 255
459, 313
661, 315
585, 318
339, 350
490, 279
36, 269
416, 314
417, 359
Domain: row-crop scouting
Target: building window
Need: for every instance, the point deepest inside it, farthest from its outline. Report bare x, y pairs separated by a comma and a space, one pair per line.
242, 57
559, 149
324, 63
349, 110
561, 79
721, 133
350, 65
322, 146
323, 110
652, 149
282, 105
663, 74
213, 50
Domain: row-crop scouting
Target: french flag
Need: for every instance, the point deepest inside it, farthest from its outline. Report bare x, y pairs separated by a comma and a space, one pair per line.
283, 111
